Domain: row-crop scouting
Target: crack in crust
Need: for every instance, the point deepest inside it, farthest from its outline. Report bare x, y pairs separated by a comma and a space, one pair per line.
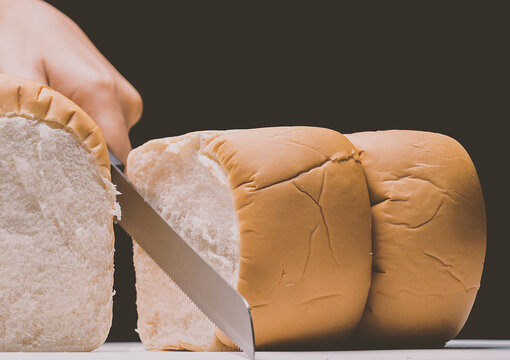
294, 142
309, 253
337, 157
19, 98
424, 222
323, 221
399, 178
320, 297
73, 113
449, 269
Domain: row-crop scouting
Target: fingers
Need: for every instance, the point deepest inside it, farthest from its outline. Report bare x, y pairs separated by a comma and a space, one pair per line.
101, 103
16, 67
116, 136
114, 105
111, 101
129, 100
111, 122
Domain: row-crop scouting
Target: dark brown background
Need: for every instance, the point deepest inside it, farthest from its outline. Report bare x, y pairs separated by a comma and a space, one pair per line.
214, 65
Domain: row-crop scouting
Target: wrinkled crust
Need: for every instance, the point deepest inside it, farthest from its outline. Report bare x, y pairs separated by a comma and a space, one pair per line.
429, 237
304, 217
24, 98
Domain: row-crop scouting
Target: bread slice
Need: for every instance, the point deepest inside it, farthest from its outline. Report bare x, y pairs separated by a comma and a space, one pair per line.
281, 213
429, 237
56, 231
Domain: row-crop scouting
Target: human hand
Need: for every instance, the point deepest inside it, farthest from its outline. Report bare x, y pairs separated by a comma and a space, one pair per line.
40, 43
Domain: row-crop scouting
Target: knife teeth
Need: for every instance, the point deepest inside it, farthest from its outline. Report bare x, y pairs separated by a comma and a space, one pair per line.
249, 354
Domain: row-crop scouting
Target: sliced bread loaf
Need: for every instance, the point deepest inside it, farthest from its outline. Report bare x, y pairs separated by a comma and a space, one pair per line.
282, 213
56, 231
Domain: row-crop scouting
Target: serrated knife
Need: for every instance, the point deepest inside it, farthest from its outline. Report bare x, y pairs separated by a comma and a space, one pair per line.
210, 292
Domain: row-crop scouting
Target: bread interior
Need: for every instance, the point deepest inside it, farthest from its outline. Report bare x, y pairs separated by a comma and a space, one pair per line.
56, 244
191, 190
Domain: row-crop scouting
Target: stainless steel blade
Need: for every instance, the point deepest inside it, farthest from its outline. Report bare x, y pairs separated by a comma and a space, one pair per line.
219, 301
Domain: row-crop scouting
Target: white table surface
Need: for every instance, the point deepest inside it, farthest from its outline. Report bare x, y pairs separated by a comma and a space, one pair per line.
455, 349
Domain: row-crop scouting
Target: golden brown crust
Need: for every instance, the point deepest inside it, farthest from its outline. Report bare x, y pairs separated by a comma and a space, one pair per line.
31, 100
304, 220
429, 236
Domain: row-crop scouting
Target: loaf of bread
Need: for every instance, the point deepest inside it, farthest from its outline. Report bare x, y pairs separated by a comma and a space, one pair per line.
429, 237
282, 213
56, 231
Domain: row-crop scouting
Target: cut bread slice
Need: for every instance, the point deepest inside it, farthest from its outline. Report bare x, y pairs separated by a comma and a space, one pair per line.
429, 237
56, 231
282, 213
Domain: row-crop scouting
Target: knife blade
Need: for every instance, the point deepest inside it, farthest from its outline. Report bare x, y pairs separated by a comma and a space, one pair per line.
207, 289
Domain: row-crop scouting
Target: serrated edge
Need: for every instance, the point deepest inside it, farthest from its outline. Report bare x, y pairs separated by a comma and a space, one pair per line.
187, 297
